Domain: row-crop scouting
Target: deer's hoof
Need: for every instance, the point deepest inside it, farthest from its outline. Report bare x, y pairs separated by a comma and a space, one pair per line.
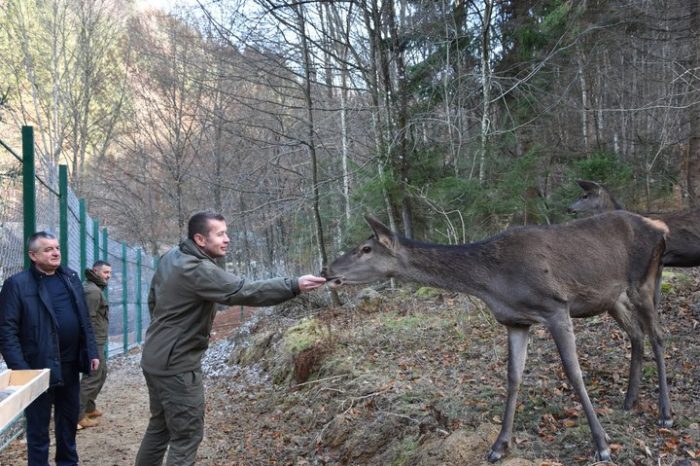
498, 449
629, 403
494, 456
603, 455
668, 423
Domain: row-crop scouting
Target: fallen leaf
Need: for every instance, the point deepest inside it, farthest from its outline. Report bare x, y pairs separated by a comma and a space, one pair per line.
570, 423
644, 448
615, 447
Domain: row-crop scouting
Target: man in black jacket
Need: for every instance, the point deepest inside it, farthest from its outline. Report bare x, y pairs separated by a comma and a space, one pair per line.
44, 323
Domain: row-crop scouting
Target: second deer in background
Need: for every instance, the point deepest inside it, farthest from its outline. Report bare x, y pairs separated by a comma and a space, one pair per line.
683, 241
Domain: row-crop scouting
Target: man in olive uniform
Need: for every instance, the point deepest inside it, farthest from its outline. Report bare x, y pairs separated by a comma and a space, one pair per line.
94, 286
182, 300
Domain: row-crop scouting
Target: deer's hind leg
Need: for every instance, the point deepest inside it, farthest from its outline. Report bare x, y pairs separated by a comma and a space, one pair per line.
649, 321
626, 317
517, 354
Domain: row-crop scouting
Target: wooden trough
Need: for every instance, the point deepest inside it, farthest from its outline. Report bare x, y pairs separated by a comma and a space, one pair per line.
18, 388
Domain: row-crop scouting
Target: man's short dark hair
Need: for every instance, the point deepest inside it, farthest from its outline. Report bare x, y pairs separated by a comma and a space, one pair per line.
99, 264
199, 223
31, 242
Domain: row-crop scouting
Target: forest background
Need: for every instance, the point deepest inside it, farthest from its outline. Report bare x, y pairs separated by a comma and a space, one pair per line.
451, 120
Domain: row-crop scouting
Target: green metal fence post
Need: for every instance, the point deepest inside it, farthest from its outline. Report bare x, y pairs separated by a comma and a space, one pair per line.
95, 257
138, 296
63, 221
83, 239
105, 255
28, 188
96, 241
105, 245
125, 297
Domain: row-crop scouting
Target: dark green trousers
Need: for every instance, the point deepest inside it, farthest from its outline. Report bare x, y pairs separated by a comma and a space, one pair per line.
90, 385
177, 419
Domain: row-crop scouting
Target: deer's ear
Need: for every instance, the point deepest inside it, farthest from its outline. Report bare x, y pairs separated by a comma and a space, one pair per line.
384, 235
588, 185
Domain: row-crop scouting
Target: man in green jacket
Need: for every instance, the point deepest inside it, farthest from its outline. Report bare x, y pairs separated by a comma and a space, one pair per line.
182, 300
94, 286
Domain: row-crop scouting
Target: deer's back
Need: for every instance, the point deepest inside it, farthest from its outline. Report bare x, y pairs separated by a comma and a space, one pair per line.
590, 261
683, 242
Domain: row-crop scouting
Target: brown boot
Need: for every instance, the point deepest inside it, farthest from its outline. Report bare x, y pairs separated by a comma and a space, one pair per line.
95, 413
87, 422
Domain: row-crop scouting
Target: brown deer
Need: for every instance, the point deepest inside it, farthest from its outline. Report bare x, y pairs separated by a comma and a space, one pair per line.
683, 241
539, 275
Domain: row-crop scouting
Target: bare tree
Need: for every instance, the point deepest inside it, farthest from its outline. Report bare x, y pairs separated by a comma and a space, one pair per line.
66, 68
154, 176
694, 111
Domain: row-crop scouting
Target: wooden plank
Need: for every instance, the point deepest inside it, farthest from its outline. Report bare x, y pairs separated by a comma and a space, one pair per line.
5, 379
18, 388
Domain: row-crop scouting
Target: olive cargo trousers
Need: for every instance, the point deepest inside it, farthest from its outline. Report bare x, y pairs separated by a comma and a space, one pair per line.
90, 385
177, 419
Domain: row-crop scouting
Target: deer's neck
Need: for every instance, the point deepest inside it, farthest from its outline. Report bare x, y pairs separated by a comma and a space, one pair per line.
463, 268
610, 203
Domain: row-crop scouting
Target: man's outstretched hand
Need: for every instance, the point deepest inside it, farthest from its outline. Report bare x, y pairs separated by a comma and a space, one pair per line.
310, 282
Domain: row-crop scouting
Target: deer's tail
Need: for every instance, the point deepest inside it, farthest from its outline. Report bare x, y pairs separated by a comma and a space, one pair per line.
659, 225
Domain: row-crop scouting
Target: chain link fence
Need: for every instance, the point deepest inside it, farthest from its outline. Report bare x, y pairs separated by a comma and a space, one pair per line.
11, 225
47, 202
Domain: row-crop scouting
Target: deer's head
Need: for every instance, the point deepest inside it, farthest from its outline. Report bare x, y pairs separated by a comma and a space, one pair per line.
373, 260
594, 199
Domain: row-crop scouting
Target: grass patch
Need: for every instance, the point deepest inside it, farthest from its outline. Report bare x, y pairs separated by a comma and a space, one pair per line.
303, 335
405, 449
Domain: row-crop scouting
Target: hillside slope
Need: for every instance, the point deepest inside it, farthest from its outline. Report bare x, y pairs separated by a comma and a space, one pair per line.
417, 377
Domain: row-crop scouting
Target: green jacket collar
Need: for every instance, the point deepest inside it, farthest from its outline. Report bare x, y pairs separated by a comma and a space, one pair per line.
91, 276
189, 247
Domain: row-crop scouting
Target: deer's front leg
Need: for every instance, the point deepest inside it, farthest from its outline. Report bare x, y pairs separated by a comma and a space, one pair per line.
562, 331
517, 354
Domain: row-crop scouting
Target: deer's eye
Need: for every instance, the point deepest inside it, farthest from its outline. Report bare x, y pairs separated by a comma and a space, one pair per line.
366, 249
585, 196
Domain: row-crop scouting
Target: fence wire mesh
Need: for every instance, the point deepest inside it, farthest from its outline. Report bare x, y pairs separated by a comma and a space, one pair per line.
47, 201
11, 220
74, 231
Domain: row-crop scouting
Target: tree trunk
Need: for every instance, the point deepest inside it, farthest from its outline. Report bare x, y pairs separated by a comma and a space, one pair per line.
377, 68
401, 160
311, 130
486, 87
335, 28
585, 104
694, 116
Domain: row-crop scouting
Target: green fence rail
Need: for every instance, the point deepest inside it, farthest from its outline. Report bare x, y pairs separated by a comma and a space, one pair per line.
38, 197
